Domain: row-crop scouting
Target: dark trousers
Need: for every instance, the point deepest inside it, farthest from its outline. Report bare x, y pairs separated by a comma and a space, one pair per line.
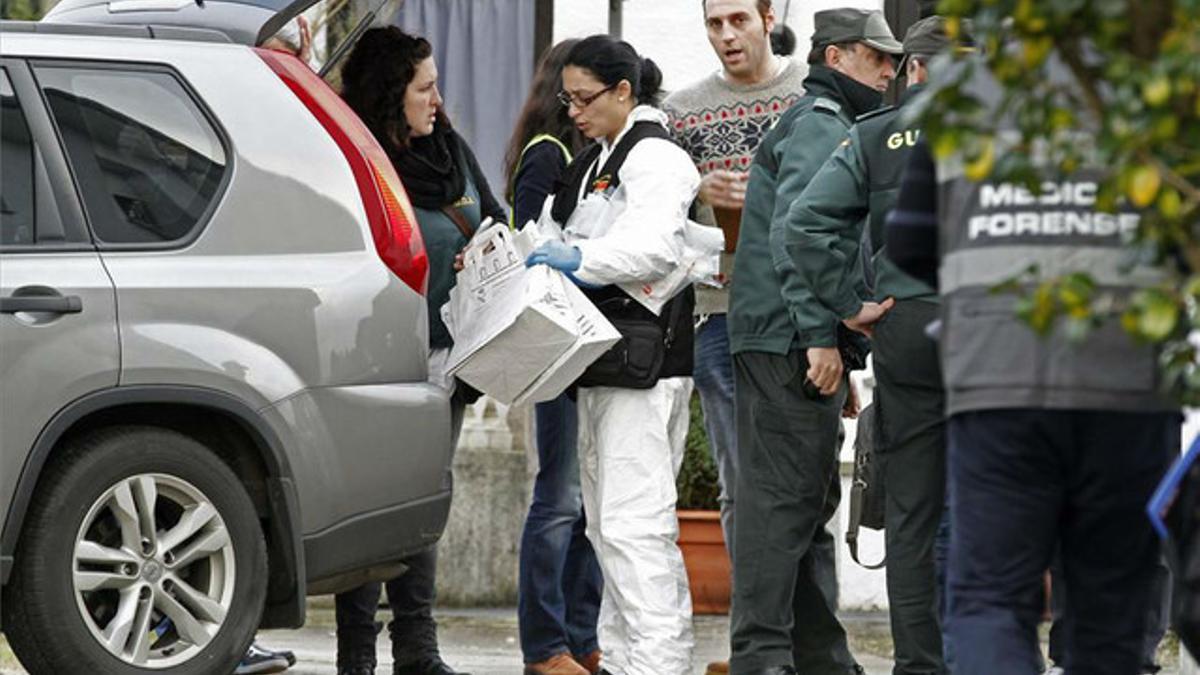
559, 580
412, 628
1025, 482
1158, 616
910, 404
784, 580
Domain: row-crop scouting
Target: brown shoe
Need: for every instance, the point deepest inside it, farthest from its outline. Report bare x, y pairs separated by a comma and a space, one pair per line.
590, 662
717, 668
559, 664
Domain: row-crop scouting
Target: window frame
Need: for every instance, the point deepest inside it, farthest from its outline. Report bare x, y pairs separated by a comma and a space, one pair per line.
49, 153
133, 67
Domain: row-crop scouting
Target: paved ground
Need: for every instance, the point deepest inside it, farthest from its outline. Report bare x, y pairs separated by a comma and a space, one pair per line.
484, 642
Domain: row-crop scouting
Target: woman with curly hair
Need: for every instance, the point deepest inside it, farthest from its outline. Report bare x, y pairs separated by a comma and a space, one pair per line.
390, 80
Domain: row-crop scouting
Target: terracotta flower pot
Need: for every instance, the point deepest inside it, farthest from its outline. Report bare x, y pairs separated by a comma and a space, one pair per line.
704, 555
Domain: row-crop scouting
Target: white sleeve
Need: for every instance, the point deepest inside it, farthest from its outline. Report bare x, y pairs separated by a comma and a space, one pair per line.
645, 240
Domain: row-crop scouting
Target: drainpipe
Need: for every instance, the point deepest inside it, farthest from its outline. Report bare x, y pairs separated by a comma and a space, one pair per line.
614, 18
543, 29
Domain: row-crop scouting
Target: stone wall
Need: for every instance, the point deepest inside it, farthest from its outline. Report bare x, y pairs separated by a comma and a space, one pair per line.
477, 558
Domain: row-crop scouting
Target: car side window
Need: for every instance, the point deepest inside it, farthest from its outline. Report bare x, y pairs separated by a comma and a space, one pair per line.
148, 162
18, 208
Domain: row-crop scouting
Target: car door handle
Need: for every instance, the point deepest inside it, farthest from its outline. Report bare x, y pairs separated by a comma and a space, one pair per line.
57, 304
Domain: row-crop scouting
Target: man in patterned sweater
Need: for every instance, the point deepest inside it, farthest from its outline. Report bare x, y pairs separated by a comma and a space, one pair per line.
720, 121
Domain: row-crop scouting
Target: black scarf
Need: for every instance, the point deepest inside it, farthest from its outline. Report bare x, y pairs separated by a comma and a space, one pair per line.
432, 168
856, 96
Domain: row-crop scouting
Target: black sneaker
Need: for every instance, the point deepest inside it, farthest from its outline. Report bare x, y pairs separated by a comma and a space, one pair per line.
258, 661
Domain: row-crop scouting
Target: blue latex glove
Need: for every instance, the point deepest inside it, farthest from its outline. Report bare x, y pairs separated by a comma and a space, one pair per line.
557, 255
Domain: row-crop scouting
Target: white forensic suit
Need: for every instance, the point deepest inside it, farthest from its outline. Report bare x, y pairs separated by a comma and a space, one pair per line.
631, 441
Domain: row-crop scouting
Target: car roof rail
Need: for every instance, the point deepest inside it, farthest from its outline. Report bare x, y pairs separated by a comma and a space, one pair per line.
113, 30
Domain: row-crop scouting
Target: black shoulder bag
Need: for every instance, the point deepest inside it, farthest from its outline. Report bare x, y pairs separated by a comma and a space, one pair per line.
867, 489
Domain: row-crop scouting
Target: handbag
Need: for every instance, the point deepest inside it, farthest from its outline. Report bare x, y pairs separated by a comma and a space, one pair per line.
867, 490
636, 360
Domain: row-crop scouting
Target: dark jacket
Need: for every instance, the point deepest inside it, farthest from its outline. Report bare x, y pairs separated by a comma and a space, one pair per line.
770, 308
855, 189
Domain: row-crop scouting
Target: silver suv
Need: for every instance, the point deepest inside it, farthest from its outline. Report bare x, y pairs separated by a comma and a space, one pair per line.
213, 340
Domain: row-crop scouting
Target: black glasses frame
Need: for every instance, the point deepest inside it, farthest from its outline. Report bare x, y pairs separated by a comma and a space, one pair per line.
567, 98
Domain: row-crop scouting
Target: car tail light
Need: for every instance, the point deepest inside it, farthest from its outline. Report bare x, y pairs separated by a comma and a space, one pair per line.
393, 224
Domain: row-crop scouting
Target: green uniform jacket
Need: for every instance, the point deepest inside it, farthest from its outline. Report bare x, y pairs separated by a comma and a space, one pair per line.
770, 309
823, 230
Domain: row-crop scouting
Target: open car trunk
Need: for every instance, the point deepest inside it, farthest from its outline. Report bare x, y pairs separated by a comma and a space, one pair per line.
335, 24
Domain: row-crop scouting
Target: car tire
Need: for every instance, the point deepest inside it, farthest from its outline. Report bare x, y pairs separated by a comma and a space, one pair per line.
191, 595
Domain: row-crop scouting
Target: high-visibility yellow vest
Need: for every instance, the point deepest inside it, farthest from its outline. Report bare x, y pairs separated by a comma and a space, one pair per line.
512, 187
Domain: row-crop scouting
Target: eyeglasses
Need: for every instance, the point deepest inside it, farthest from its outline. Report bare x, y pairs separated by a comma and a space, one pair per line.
567, 98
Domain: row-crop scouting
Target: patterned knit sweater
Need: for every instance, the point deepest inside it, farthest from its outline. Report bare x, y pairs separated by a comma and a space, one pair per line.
720, 125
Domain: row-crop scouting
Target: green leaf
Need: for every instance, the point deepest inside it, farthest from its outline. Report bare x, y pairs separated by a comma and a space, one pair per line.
1158, 316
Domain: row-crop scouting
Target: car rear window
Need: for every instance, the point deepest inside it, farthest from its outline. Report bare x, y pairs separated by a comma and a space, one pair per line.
17, 205
148, 162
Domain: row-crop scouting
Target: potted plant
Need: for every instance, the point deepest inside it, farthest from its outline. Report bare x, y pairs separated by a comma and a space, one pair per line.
700, 536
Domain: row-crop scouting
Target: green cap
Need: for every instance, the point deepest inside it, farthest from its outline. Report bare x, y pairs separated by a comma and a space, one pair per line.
926, 37
849, 24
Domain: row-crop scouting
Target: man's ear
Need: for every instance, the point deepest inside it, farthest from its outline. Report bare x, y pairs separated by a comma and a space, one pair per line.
833, 56
769, 21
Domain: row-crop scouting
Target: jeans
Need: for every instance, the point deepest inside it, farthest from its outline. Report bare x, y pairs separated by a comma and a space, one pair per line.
712, 374
560, 583
1024, 482
941, 560
1158, 616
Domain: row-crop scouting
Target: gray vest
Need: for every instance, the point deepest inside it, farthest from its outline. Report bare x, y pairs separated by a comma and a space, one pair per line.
991, 232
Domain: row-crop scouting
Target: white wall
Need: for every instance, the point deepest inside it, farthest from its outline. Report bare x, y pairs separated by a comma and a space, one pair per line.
671, 32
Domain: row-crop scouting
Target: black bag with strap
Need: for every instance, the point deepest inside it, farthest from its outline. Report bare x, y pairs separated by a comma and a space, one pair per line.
867, 489
651, 347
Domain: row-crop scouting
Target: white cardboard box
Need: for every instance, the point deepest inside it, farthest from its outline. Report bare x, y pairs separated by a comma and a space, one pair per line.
521, 334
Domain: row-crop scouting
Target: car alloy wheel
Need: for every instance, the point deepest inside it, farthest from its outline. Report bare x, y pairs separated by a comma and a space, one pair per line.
153, 570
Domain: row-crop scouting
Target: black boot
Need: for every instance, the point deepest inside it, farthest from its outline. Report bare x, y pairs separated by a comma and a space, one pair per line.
413, 629
359, 669
431, 664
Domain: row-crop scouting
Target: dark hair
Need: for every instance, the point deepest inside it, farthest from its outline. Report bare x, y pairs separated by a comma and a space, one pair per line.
375, 77
764, 6
816, 57
543, 113
783, 40
612, 60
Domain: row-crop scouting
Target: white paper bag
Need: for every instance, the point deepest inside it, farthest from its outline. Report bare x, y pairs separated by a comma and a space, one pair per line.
700, 262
